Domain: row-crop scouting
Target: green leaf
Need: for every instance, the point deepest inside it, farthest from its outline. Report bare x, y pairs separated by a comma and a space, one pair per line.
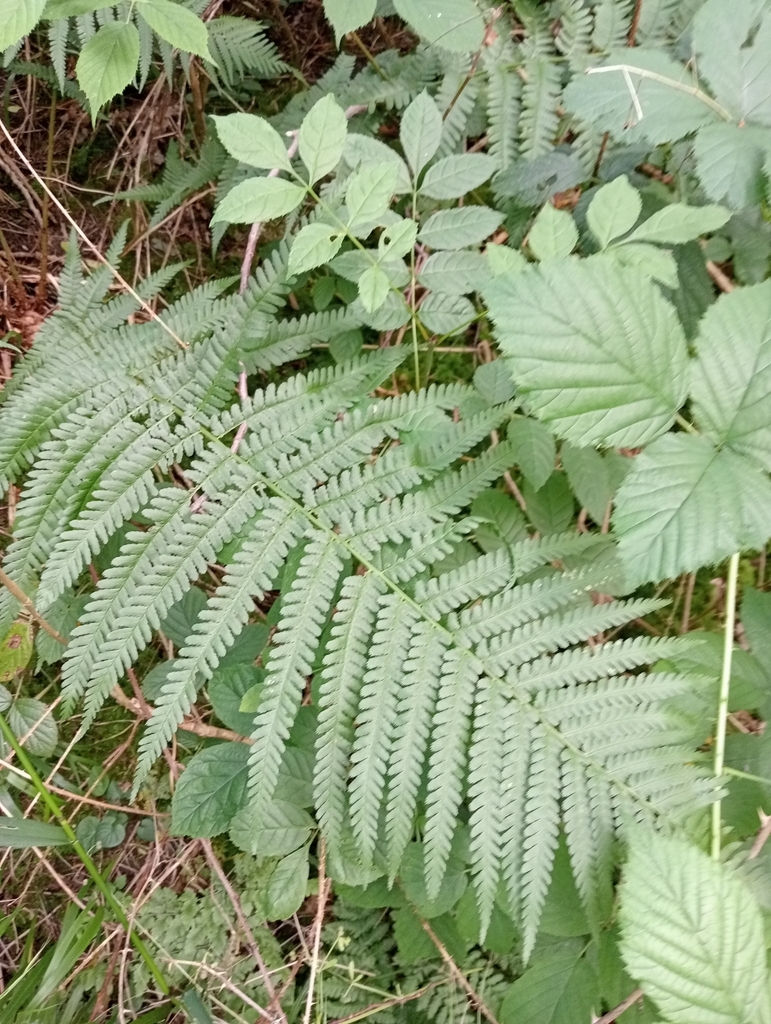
347, 15
63, 615
559, 987
493, 382
504, 260
730, 162
27, 714
21, 833
5, 699
553, 235
455, 176
322, 137
226, 690
420, 132
503, 524
108, 62
251, 140
685, 504
455, 25
454, 273
412, 878
314, 245
56, 9
731, 378
679, 223
598, 351
374, 287
287, 886
210, 791
455, 229
534, 448
756, 619
17, 19
446, 314
551, 507
397, 239
369, 193
181, 617
177, 25
362, 150
258, 199
647, 260
103, 833
614, 210
282, 830
692, 935
15, 650
588, 476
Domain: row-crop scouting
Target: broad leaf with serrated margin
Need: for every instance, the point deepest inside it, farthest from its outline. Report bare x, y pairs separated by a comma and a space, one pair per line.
553, 235
253, 141
348, 15
210, 791
420, 132
614, 210
322, 138
17, 19
108, 62
258, 199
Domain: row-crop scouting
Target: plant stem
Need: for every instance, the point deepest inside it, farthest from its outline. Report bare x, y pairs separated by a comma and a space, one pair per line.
42, 287
53, 805
725, 682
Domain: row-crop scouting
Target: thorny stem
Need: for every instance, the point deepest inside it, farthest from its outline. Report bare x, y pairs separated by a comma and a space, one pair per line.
725, 682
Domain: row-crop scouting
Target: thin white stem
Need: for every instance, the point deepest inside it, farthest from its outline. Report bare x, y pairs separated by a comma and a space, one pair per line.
627, 70
725, 683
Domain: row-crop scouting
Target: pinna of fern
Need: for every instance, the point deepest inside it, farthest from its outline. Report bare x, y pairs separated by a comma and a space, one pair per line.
464, 696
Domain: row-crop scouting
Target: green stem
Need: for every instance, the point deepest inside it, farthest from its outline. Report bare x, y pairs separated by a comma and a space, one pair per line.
725, 682
53, 805
687, 427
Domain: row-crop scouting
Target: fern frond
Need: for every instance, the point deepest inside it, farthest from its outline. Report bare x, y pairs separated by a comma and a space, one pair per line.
291, 660
344, 666
447, 761
540, 832
478, 578
504, 94
540, 98
612, 20
574, 38
239, 45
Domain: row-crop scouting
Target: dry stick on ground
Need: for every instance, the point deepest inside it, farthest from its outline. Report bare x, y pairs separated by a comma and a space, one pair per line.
373, 1008
762, 836
244, 924
324, 886
87, 241
722, 280
256, 229
27, 603
474, 997
611, 1015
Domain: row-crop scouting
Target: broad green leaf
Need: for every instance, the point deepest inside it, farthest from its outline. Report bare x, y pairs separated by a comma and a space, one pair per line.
347, 15
283, 830
56, 9
63, 615
420, 132
17, 19
177, 25
108, 62
685, 504
374, 287
352, 264
503, 523
454, 273
21, 833
295, 780
588, 476
314, 245
346, 346
553, 235
692, 935
455, 229
287, 886
103, 833
504, 260
452, 24
258, 199
730, 162
534, 448
398, 239
558, 987
648, 260
446, 314
393, 314
27, 715
756, 619
364, 151
182, 616
5, 699
369, 194
551, 507
413, 881
669, 99
614, 210
253, 141
455, 176
226, 690
679, 223
493, 382
210, 791
598, 351
322, 137
731, 377
733, 57
15, 650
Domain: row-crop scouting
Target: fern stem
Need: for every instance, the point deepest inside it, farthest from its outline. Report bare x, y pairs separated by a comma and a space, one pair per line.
53, 806
725, 681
